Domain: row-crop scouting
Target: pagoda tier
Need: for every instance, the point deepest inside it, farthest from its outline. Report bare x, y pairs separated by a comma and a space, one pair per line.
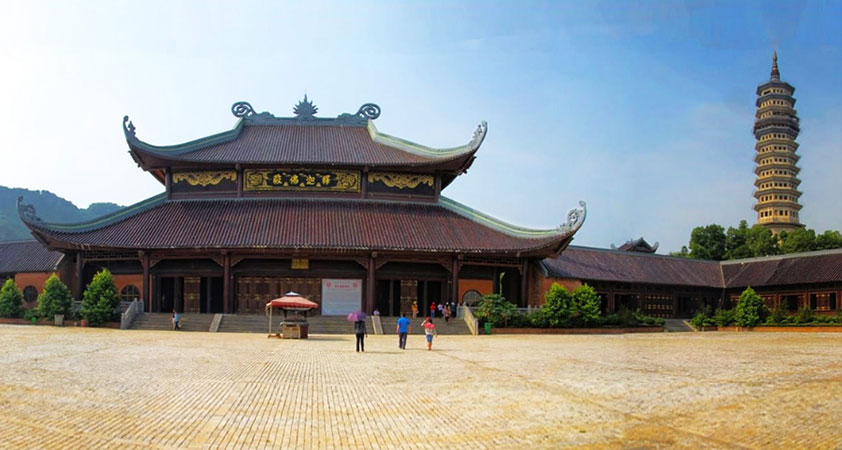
776, 127
262, 141
303, 225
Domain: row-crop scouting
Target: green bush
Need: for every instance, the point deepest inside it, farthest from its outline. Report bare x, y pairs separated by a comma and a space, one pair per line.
724, 317
805, 315
10, 299
702, 318
494, 308
539, 318
54, 299
778, 316
585, 307
100, 298
557, 307
751, 310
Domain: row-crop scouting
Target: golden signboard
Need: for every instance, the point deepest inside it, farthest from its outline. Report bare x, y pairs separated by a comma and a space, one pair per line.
301, 180
300, 264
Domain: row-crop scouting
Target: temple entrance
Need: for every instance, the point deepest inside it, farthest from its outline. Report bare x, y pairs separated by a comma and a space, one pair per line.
395, 297
171, 294
211, 295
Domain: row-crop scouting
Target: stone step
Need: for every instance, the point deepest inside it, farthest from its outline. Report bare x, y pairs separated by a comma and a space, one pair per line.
676, 326
162, 321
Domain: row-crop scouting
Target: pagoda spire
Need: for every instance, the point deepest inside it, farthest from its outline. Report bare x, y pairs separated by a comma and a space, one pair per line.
775, 74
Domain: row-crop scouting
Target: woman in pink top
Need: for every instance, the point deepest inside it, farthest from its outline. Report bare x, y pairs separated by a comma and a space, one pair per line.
430, 331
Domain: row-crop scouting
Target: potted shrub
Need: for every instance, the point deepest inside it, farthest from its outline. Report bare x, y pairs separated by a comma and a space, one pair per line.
10, 299
99, 300
54, 299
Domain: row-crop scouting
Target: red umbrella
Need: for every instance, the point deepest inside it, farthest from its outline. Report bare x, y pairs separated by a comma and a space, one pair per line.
355, 316
292, 300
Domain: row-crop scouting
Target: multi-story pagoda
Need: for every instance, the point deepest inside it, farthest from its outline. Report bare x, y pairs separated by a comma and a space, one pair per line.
328, 207
776, 128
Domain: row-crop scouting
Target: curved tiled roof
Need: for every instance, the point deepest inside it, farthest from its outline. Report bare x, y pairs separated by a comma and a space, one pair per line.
27, 256
627, 267
296, 223
266, 139
631, 267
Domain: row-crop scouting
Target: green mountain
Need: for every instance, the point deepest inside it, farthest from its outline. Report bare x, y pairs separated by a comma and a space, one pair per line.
49, 207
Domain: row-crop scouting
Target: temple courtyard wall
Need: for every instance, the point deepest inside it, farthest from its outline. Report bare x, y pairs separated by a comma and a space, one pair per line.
97, 388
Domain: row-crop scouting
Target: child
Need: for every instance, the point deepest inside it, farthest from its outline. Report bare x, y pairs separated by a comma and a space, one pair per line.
430, 331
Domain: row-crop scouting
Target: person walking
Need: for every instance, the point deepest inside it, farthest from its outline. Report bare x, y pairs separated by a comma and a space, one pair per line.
176, 320
432, 309
429, 331
447, 314
414, 309
403, 328
360, 331
441, 309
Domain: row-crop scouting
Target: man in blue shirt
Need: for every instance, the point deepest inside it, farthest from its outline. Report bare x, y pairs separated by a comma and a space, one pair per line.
403, 329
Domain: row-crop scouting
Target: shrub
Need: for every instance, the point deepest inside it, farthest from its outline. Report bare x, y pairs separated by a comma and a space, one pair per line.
585, 307
724, 317
777, 316
805, 315
10, 299
750, 309
539, 318
557, 306
54, 299
496, 309
702, 318
100, 298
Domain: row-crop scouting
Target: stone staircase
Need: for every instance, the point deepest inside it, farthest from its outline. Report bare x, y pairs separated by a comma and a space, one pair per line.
456, 326
258, 323
162, 321
676, 326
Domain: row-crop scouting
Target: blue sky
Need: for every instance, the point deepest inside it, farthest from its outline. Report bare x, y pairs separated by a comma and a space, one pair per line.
642, 109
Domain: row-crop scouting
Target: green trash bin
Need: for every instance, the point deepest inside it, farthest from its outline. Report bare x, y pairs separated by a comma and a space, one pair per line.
487, 327
34, 321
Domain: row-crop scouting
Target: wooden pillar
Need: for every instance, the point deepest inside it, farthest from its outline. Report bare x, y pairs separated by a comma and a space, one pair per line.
168, 181
454, 281
369, 285
146, 294
239, 180
79, 285
392, 298
426, 287
226, 283
612, 301
524, 284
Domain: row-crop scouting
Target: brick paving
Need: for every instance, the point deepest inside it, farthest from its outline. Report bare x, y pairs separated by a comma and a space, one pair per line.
88, 388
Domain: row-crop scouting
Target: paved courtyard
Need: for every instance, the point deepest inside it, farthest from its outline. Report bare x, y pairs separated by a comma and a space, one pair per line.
87, 388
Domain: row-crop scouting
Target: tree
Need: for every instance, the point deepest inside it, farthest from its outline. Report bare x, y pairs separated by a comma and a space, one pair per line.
798, 240
10, 299
100, 298
496, 309
54, 299
557, 306
683, 253
828, 240
750, 309
761, 241
708, 242
736, 245
585, 306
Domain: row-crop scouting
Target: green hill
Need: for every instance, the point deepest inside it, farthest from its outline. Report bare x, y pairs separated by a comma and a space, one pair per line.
48, 206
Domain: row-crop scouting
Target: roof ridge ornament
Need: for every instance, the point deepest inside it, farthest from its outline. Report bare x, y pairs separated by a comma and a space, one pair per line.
305, 109
27, 211
479, 135
129, 129
368, 111
575, 218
